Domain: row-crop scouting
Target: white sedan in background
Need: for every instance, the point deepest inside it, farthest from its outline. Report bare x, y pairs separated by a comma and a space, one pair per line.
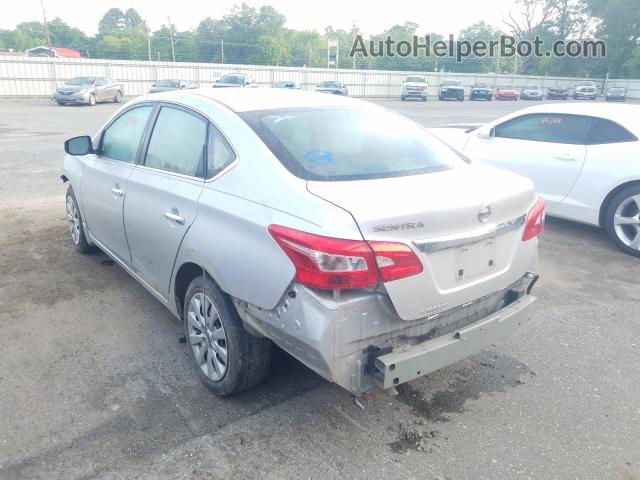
584, 159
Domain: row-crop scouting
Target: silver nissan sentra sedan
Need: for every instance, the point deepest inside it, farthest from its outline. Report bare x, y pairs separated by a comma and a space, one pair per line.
340, 231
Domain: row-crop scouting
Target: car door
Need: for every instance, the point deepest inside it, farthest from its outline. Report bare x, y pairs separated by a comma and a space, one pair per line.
104, 179
163, 192
548, 148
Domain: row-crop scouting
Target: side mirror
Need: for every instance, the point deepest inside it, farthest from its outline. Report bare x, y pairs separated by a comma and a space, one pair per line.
486, 135
79, 145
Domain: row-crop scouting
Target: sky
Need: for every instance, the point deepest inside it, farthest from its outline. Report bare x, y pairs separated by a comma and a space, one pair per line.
370, 17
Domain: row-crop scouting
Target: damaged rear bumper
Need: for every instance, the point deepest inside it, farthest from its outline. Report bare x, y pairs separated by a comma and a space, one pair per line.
358, 341
406, 364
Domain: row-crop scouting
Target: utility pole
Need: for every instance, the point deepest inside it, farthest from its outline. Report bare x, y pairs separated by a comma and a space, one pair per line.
355, 31
173, 51
46, 26
149, 43
222, 50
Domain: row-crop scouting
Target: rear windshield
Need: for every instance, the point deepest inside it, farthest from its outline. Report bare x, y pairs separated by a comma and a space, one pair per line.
168, 83
333, 144
237, 79
481, 85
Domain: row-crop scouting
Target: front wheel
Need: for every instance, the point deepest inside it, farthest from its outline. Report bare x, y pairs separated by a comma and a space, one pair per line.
92, 100
622, 220
227, 358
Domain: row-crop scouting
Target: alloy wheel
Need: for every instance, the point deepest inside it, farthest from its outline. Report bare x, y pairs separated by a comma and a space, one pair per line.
626, 222
207, 337
73, 219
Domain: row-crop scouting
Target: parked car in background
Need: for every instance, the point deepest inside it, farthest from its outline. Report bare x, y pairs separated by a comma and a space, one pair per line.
89, 91
616, 94
481, 91
451, 90
167, 85
506, 92
234, 80
583, 159
332, 86
287, 84
367, 289
415, 86
557, 93
586, 89
533, 92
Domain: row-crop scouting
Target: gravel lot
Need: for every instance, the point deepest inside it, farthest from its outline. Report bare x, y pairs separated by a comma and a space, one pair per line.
94, 382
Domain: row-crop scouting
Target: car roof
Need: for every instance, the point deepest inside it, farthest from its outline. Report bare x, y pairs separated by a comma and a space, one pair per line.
250, 99
625, 115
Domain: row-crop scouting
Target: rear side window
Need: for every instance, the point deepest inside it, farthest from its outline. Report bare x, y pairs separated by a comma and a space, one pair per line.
177, 143
219, 154
606, 131
547, 127
333, 144
122, 138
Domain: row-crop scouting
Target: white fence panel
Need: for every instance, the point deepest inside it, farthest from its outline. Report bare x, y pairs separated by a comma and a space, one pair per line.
35, 76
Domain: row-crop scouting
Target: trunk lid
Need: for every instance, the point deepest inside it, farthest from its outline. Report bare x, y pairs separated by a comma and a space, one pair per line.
438, 216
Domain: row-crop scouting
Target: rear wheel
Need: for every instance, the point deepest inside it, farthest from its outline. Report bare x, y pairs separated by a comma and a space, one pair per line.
227, 358
622, 220
76, 228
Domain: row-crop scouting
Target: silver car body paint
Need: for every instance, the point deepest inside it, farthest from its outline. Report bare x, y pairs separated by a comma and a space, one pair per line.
225, 232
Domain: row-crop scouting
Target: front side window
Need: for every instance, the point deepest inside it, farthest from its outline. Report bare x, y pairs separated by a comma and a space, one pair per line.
122, 138
606, 131
546, 127
219, 153
177, 143
333, 144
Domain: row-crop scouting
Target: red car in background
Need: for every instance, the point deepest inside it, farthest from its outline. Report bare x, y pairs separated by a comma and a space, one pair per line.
506, 92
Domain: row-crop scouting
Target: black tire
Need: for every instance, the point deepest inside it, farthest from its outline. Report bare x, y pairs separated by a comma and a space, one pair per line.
62, 104
403, 99
424, 99
79, 240
248, 357
118, 97
610, 212
461, 98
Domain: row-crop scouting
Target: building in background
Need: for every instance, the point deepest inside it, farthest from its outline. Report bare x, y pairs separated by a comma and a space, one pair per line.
53, 52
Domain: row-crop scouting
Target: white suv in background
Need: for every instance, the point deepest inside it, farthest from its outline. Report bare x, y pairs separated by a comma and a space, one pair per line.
415, 86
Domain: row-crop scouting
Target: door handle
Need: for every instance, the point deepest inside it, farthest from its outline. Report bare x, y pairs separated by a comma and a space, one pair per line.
566, 156
117, 192
173, 217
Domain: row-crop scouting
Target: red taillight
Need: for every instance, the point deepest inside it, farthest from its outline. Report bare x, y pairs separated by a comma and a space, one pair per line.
335, 264
534, 225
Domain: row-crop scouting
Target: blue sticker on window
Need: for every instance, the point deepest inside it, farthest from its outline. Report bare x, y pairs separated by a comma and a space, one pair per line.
317, 156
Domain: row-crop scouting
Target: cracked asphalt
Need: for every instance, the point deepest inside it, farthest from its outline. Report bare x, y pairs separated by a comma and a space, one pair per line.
95, 384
